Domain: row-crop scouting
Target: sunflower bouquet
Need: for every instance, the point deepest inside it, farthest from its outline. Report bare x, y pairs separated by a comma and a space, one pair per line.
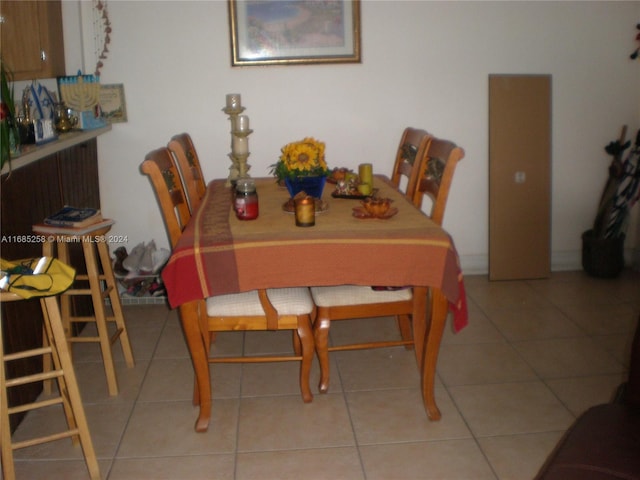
304, 158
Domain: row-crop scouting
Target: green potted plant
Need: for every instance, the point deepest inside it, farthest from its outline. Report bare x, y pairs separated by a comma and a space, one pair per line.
9, 134
603, 245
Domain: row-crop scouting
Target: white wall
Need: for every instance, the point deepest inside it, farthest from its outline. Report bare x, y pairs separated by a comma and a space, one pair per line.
425, 64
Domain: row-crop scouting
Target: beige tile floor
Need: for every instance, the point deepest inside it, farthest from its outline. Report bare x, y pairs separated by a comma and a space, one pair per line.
535, 354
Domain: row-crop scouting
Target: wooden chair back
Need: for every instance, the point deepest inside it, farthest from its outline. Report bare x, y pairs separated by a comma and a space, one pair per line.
188, 164
165, 179
435, 173
411, 149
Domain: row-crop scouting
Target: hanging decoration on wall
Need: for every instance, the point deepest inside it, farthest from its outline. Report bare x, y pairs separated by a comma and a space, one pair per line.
102, 35
635, 54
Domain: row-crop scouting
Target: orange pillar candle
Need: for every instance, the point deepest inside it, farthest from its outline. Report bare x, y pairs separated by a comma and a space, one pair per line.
305, 210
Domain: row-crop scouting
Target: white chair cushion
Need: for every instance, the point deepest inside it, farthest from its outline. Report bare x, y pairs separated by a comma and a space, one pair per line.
342, 295
287, 301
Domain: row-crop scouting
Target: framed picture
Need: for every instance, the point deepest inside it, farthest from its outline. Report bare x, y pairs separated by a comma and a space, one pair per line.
273, 32
112, 103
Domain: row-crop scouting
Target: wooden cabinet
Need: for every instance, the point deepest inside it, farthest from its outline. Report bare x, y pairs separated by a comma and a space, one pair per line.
31, 38
29, 194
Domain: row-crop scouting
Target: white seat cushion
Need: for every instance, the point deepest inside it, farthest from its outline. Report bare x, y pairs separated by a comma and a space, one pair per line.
286, 301
342, 295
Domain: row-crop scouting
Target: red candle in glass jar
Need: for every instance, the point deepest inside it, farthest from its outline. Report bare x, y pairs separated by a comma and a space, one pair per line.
246, 200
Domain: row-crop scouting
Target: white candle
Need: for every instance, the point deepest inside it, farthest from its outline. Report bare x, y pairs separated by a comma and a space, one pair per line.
233, 101
240, 145
242, 123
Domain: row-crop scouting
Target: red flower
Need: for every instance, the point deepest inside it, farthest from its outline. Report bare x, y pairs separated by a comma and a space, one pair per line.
4, 111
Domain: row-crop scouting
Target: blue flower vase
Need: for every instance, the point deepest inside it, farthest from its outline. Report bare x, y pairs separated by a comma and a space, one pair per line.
312, 186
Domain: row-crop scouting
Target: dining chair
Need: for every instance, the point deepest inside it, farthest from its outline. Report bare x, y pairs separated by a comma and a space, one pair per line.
435, 167
411, 150
435, 174
188, 163
406, 169
264, 310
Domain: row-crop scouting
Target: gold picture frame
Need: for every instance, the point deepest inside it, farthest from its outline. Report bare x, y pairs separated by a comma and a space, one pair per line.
289, 32
112, 103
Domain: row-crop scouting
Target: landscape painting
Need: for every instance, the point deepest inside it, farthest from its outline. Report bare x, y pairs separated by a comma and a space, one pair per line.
294, 31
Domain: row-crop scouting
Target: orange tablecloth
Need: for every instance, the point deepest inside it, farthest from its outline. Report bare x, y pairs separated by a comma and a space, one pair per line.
219, 254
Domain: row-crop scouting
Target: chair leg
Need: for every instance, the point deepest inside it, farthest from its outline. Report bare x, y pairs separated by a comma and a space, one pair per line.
297, 347
406, 330
321, 335
307, 344
207, 339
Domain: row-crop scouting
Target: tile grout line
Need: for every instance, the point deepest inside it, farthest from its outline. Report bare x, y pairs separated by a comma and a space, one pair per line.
347, 406
137, 397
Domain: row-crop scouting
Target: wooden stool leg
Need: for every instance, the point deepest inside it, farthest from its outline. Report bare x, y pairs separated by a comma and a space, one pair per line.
65, 300
116, 306
47, 251
65, 309
55, 358
46, 363
60, 341
101, 319
8, 469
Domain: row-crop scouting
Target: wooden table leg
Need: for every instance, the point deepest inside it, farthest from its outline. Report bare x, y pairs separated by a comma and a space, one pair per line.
189, 316
439, 311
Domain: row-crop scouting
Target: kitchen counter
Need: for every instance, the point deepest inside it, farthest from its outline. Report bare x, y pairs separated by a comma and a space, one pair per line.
32, 153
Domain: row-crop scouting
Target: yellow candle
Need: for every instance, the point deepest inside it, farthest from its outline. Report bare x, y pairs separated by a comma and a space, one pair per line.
364, 189
365, 170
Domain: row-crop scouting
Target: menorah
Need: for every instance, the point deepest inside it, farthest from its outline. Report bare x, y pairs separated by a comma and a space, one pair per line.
81, 93
240, 132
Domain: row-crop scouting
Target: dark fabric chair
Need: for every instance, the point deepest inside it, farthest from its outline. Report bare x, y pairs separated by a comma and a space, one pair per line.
604, 442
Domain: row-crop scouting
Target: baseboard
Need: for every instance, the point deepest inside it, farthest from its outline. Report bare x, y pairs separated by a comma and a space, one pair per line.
560, 261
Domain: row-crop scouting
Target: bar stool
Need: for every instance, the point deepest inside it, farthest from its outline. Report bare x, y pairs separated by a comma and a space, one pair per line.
69, 395
101, 286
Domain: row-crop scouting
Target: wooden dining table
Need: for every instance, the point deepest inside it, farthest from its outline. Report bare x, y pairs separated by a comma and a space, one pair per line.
220, 254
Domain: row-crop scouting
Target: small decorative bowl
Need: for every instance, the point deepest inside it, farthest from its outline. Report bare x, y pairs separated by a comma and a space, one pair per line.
377, 207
